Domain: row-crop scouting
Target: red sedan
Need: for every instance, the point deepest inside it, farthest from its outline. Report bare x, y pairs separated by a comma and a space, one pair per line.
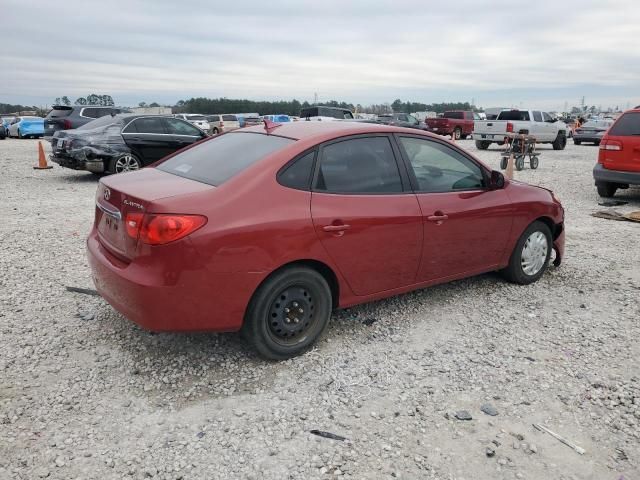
268, 229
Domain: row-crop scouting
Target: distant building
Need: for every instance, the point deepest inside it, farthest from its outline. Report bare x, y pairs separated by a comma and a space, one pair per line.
151, 110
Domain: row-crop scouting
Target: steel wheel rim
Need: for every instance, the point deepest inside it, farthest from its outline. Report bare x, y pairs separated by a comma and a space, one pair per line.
534, 253
126, 163
291, 315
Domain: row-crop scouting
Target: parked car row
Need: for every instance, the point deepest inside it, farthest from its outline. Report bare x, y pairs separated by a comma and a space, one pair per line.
21, 127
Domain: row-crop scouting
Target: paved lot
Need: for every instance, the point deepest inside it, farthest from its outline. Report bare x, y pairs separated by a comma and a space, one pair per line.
86, 394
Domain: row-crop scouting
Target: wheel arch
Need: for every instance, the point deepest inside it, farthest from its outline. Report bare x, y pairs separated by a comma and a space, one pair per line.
555, 229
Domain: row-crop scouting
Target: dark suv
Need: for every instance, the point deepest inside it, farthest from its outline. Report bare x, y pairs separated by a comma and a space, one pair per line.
62, 117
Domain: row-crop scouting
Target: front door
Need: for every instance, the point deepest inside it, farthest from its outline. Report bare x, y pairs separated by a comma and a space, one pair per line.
466, 226
369, 225
182, 133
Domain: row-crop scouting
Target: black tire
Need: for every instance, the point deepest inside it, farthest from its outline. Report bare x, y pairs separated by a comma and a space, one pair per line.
515, 272
533, 163
503, 163
576, 141
560, 142
606, 190
519, 162
268, 324
457, 133
215, 131
117, 164
482, 145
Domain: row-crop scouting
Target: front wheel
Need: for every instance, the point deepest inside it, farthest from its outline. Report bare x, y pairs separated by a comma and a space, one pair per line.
533, 163
606, 190
530, 257
457, 133
127, 162
288, 313
519, 162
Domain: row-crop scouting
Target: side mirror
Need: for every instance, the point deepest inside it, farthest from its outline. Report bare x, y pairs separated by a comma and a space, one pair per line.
497, 180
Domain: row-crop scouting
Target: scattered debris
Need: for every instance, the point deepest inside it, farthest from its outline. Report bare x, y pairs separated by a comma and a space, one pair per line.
578, 449
622, 455
463, 415
369, 321
200, 434
613, 215
612, 203
86, 291
489, 409
330, 435
490, 451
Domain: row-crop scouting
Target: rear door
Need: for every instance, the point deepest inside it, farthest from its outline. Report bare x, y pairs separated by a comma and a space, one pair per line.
466, 226
148, 139
625, 135
367, 220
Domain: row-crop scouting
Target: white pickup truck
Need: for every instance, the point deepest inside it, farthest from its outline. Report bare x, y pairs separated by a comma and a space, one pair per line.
539, 124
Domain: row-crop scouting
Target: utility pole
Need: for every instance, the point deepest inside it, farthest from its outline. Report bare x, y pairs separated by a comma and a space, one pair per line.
315, 98
582, 103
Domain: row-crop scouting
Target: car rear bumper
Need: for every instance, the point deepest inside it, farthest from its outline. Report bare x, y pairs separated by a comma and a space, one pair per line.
604, 175
587, 138
159, 296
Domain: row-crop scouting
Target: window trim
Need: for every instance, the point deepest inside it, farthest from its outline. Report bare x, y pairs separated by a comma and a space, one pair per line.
404, 178
282, 169
486, 175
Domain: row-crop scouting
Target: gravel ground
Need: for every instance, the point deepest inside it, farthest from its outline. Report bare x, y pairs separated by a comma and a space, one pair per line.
86, 394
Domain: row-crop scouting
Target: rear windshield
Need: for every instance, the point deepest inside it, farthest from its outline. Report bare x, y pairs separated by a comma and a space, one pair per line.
458, 115
195, 117
627, 124
229, 118
216, 161
60, 112
597, 124
521, 115
101, 122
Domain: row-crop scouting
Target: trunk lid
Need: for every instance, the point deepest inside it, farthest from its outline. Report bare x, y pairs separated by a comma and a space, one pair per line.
127, 197
620, 147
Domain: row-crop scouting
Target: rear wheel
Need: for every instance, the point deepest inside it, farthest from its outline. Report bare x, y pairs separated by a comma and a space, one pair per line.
530, 257
127, 162
519, 161
457, 133
560, 142
288, 313
503, 163
480, 145
533, 163
216, 131
606, 190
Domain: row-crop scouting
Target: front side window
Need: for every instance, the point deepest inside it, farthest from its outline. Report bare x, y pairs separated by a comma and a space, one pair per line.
439, 168
359, 165
547, 117
537, 116
229, 118
176, 126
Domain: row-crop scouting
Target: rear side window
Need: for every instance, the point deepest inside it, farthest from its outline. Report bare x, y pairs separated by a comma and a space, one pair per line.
60, 113
216, 161
298, 174
537, 116
455, 115
229, 118
146, 125
359, 165
628, 124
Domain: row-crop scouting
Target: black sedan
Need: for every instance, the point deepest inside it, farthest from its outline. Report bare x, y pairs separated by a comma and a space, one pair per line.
121, 143
402, 120
591, 132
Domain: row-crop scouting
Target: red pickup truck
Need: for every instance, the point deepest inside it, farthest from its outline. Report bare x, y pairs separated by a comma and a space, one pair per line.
456, 122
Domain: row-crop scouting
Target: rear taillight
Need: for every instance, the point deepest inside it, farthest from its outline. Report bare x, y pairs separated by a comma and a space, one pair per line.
158, 229
611, 145
509, 127
66, 124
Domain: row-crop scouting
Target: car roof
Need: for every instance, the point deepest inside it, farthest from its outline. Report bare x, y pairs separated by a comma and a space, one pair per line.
303, 130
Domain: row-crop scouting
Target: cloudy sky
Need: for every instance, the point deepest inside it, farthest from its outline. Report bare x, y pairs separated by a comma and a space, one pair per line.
496, 52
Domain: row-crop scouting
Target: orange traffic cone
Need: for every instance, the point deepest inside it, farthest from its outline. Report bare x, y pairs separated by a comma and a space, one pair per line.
42, 160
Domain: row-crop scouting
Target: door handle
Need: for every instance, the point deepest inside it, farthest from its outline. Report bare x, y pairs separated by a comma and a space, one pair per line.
336, 228
438, 217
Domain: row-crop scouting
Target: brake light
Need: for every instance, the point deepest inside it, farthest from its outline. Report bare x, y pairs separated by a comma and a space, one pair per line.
611, 145
509, 127
66, 124
162, 228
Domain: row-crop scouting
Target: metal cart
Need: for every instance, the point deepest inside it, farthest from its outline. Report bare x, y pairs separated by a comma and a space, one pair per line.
520, 145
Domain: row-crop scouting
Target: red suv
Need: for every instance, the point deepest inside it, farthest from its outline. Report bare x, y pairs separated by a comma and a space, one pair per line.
619, 156
269, 229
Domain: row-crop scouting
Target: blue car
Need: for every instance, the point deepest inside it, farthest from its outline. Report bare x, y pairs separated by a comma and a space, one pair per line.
27, 127
278, 118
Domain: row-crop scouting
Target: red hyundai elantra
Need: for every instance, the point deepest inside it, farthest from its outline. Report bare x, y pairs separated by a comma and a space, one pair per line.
268, 229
